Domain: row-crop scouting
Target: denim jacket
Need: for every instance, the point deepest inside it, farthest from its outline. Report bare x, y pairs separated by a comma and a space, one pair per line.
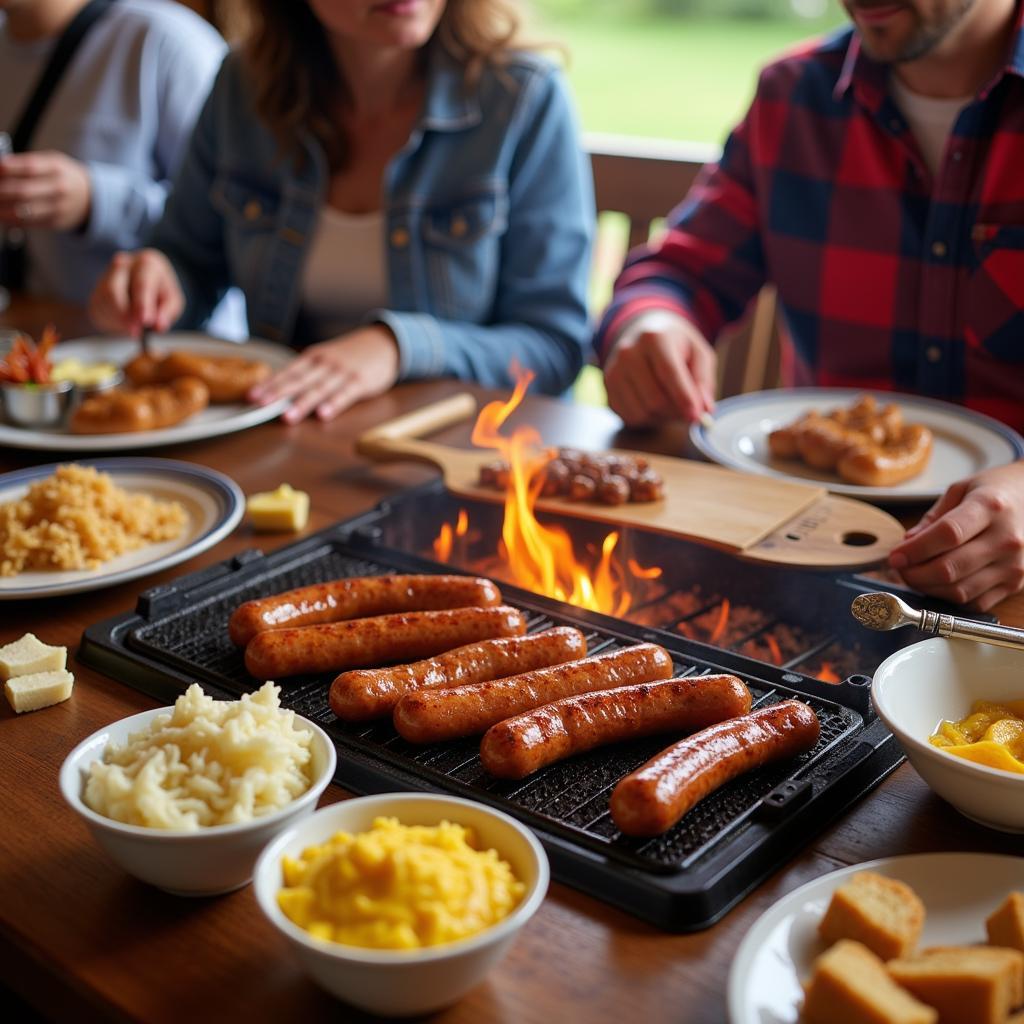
488, 211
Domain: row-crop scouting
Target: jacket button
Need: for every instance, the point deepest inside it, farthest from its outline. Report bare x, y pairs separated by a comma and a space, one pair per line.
399, 238
252, 209
460, 226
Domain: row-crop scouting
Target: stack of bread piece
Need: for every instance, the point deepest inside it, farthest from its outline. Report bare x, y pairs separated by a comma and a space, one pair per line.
873, 973
34, 674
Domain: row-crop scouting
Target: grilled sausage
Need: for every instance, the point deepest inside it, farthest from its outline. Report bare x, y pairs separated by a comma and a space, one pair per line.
822, 441
371, 693
153, 408
875, 465
229, 378
518, 746
357, 597
782, 442
402, 636
445, 714
652, 799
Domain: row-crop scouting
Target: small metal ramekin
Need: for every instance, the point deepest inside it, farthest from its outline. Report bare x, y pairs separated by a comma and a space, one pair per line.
36, 405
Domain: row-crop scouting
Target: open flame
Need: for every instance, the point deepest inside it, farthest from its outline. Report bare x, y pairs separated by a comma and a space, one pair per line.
541, 558
445, 540
826, 675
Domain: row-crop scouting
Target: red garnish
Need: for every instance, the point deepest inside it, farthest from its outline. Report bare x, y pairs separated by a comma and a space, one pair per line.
27, 363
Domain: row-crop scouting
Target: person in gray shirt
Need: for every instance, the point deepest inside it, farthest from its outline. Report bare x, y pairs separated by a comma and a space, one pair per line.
111, 137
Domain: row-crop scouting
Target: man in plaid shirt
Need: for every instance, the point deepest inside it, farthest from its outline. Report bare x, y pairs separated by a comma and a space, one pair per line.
878, 181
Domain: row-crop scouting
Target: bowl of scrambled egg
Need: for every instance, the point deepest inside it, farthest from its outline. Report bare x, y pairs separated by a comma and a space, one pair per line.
957, 708
186, 797
401, 903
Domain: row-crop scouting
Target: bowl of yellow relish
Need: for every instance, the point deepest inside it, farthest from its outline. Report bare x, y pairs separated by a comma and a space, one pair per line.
957, 708
401, 903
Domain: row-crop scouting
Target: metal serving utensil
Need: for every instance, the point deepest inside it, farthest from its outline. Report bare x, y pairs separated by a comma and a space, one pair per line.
883, 611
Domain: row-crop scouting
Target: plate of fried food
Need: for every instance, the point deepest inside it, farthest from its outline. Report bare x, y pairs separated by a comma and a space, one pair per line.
920, 939
108, 394
883, 447
84, 525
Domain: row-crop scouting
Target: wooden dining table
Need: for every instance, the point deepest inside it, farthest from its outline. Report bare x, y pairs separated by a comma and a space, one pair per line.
80, 940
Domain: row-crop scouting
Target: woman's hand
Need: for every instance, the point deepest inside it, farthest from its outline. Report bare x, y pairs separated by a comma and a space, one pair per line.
44, 190
329, 377
660, 368
969, 547
139, 289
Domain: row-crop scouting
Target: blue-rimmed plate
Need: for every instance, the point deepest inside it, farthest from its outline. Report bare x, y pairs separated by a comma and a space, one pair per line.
213, 503
213, 421
966, 442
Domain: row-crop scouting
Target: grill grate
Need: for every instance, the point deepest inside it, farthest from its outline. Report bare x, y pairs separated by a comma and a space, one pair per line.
682, 880
572, 795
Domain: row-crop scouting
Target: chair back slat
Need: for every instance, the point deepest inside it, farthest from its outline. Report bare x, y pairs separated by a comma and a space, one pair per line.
636, 183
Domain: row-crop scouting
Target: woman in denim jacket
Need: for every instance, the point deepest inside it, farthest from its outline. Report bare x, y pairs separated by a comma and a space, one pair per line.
395, 188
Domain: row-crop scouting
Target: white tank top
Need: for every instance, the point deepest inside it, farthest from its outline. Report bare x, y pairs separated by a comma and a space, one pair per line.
345, 275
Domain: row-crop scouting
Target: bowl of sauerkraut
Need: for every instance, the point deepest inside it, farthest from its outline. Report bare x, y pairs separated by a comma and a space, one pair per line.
186, 797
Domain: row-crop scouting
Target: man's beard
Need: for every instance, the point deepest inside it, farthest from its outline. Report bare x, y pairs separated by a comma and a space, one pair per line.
931, 35
928, 36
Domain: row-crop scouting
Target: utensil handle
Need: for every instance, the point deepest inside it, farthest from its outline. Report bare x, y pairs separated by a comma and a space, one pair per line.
425, 420
968, 629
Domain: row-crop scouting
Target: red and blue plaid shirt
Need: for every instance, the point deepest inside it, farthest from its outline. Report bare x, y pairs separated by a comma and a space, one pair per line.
889, 277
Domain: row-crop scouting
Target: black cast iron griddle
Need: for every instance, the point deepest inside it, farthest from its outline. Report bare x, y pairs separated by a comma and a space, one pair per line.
684, 880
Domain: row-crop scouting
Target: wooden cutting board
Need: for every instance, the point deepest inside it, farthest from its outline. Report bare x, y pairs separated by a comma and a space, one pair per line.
756, 517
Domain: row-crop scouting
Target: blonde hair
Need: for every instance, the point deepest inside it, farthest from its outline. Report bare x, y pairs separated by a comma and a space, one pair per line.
296, 81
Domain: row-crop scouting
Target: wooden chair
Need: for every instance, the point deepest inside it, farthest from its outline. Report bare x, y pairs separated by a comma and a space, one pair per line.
637, 182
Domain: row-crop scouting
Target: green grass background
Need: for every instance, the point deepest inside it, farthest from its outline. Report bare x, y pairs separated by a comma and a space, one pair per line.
677, 77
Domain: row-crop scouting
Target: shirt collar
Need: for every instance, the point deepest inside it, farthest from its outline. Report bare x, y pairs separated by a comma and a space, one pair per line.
449, 105
867, 78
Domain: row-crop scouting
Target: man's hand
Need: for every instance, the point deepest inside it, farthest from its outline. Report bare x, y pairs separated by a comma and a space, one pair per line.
969, 547
329, 377
660, 368
44, 190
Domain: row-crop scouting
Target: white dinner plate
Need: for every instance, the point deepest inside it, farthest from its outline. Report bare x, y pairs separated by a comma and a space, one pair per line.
959, 890
213, 502
966, 442
211, 422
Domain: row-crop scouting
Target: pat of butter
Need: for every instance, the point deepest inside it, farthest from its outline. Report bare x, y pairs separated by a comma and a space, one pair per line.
38, 690
283, 509
30, 655
82, 373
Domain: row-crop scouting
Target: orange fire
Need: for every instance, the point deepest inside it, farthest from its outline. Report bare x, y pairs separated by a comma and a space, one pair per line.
773, 646
826, 675
445, 540
723, 619
541, 558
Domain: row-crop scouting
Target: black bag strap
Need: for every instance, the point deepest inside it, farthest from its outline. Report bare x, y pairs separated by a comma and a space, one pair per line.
55, 67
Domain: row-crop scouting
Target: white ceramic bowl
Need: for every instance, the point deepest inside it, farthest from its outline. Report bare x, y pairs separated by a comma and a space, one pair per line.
203, 863
405, 982
916, 688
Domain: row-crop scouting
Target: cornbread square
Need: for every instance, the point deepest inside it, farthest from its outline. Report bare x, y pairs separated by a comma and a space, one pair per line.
29, 655
1005, 926
882, 913
850, 986
966, 984
1011, 956
39, 690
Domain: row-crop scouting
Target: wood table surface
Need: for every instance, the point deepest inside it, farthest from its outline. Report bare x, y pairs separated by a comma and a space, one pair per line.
81, 940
